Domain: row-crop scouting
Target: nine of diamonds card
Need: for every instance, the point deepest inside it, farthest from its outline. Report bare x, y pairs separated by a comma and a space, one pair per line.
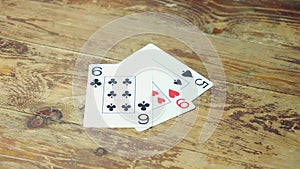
146, 89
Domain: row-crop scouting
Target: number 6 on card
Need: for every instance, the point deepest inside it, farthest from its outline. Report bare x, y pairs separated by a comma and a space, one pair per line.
117, 99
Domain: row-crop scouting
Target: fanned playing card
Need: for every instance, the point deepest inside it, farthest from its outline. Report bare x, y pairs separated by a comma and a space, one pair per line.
183, 76
182, 83
117, 98
146, 89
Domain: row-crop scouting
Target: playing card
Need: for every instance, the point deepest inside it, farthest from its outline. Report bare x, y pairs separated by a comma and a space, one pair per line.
177, 105
172, 87
192, 83
118, 99
173, 77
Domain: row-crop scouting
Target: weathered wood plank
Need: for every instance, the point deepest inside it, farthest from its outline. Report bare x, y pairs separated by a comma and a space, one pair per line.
246, 64
259, 127
254, 21
60, 146
69, 27
11, 162
253, 128
233, 145
237, 141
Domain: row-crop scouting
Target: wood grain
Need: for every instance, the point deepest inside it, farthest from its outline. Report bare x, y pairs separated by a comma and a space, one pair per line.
64, 146
257, 41
68, 26
257, 21
253, 128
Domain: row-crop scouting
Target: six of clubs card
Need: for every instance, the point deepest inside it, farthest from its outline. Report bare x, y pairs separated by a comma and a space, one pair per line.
117, 100
141, 99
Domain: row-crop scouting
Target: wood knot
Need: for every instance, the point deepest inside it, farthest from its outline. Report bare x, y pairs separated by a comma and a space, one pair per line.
36, 122
41, 117
100, 151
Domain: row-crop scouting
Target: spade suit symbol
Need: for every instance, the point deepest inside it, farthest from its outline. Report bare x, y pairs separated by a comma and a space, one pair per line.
187, 73
177, 82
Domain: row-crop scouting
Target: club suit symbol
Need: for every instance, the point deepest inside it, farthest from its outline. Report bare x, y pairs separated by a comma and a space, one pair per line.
143, 105
111, 94
111, 107
127, 82
126, 94
126, 107
112, 81
95, 83
187, 73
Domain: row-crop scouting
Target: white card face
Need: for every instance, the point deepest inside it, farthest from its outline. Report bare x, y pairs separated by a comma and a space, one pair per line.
118, 99
192, 83
175, 86
177, 105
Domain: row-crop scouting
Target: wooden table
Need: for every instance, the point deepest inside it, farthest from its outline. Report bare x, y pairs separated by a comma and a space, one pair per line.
258, 44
